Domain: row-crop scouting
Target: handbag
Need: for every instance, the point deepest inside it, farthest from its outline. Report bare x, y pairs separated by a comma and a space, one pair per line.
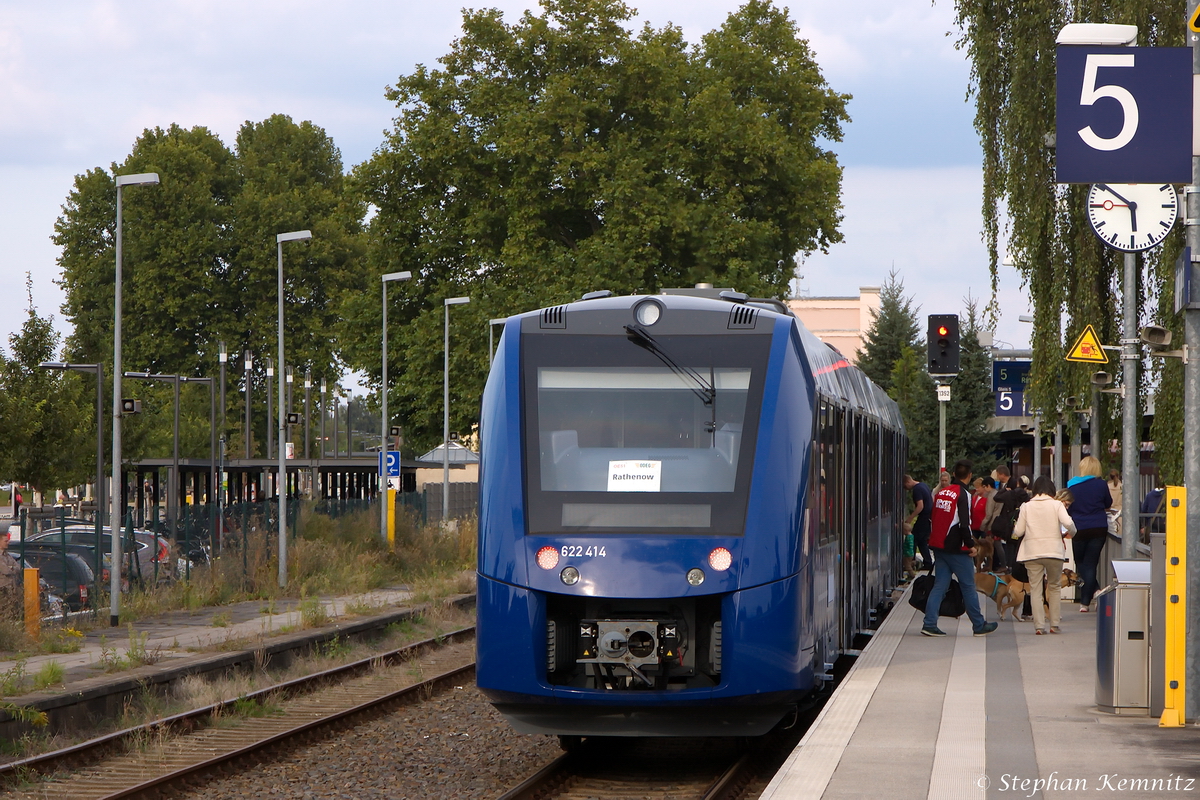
952, 603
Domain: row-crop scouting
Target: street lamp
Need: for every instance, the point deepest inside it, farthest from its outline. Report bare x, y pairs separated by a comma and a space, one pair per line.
99, 370
141, 179
384, 421
449, 301
324, 412
291, 236
307, 411
248, 363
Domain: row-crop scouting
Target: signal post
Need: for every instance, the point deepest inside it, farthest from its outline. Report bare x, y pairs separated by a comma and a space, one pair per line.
943, 365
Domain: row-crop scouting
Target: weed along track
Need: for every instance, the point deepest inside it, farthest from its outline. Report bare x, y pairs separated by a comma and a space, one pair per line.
167, 753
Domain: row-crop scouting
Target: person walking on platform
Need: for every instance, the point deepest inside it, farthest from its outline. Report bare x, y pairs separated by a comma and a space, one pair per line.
1040, 528
1009, 498
950, 536
1092, 499
920, 518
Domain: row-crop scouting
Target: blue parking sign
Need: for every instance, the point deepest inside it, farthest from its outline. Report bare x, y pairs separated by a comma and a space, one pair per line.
1124, 115
389, 463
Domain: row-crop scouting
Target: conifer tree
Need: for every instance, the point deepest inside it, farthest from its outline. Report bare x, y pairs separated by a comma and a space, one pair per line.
893, 328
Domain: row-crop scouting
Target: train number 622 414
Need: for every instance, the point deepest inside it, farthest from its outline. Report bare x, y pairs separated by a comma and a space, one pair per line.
581, 551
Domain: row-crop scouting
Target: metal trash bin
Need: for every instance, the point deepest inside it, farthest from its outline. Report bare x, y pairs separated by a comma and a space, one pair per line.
1123, 640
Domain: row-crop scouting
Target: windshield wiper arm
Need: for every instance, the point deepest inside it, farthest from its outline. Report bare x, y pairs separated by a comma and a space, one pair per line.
702, 388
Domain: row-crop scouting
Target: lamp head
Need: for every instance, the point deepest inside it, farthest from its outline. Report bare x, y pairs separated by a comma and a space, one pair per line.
1101, 379
456, 301
293, 236
1157, 337
140, 179
397, 276
222, 353
248, 361
1071, 402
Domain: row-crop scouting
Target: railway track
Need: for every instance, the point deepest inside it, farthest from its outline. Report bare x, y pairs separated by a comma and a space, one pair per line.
172, 752
643, 769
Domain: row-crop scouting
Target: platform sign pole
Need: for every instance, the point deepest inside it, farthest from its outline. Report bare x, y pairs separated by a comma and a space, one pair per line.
33, 605
943, 395
1175, 619
1191, 406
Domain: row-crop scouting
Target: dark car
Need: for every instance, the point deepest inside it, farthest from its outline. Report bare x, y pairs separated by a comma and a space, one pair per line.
153, 551
66, 574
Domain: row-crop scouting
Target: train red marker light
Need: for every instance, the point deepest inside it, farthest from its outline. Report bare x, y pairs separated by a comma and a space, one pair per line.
547, 557
720, 559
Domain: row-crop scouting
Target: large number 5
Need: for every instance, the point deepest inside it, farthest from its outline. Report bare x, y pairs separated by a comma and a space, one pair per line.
1091, 93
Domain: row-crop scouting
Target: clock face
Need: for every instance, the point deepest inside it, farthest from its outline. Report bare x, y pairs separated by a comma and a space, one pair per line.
1132, 216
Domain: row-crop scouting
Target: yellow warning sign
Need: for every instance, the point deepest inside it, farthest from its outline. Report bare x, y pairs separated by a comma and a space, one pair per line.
1194, 22
1087, 348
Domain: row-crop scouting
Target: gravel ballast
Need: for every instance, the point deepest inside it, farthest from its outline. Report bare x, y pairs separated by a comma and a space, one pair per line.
454, 745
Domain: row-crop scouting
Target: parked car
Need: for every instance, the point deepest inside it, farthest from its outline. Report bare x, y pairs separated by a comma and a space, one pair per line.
152, 550
69, 577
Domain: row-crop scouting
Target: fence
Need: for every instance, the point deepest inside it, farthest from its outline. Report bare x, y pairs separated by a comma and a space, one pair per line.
464, 500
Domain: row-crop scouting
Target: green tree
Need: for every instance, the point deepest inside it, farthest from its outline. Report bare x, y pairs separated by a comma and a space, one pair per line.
47, 416
564, 153
1071, 276
914, 391
893, 328
200, 265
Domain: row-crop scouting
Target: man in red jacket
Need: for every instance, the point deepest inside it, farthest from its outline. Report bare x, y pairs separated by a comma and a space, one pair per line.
950, 536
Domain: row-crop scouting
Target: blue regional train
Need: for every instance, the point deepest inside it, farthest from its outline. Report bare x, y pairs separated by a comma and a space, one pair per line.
689, 507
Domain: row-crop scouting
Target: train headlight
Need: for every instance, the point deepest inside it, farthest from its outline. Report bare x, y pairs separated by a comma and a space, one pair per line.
695, 576
720, 559
648, 313
570, 576
547, 557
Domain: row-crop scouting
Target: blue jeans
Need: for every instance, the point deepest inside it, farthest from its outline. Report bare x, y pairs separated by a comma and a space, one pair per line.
1087, 561
962, 566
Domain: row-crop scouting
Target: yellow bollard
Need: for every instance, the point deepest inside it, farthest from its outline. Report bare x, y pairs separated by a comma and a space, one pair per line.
1175, 634
391, 512
33, 606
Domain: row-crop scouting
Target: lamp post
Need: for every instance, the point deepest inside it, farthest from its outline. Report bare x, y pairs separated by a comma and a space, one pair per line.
248, 363
141, 179
449, 301
384, 495
291, 236
324, 413
223, 357
99, 370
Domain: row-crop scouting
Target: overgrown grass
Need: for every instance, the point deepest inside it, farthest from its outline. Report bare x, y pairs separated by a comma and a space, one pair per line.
51, 674
329, 557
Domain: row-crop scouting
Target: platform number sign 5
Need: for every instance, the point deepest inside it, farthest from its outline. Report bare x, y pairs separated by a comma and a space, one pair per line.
1124, 115
1091, 93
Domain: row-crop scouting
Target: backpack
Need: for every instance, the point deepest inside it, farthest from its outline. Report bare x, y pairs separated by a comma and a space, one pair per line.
952, 602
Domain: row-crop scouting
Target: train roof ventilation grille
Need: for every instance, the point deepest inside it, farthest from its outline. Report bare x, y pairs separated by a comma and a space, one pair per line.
742, 317
554, 317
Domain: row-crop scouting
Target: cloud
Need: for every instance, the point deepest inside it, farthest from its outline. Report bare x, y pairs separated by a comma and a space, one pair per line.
926, 224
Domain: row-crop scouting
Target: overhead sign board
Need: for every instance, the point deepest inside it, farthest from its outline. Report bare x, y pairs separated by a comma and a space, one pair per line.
1087, 348
1010, 404
1124, 115
1010, 376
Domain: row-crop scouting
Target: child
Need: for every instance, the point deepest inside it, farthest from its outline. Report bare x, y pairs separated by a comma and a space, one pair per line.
910, 548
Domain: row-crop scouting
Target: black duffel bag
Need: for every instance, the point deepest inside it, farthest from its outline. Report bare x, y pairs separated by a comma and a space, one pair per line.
952, 602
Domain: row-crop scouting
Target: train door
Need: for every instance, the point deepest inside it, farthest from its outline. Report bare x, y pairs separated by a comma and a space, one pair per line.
841, 527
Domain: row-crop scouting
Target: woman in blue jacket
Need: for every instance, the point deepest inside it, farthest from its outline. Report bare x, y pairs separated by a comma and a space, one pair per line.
1092, 500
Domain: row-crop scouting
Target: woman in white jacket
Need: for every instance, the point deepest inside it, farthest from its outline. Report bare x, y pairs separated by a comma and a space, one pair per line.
1040, 527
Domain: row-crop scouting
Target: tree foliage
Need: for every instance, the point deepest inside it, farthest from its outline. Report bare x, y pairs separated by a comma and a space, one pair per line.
200, 264
893, 328
47, 416
563, 154
1073, 278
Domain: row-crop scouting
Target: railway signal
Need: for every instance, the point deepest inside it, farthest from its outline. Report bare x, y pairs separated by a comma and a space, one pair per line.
943, 342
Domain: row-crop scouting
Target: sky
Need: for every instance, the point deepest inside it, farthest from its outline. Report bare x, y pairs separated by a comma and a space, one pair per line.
80, 80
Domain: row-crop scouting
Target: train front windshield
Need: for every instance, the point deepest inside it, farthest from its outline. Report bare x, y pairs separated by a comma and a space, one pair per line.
623, 438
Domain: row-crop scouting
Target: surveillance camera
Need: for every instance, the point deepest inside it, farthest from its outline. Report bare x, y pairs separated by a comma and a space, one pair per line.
1155, 336
1101, 379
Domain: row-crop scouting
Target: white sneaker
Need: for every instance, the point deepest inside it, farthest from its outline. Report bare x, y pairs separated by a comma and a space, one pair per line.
1083, 609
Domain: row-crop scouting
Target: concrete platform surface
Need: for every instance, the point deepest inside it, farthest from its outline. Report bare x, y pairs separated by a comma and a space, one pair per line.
1008, 715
